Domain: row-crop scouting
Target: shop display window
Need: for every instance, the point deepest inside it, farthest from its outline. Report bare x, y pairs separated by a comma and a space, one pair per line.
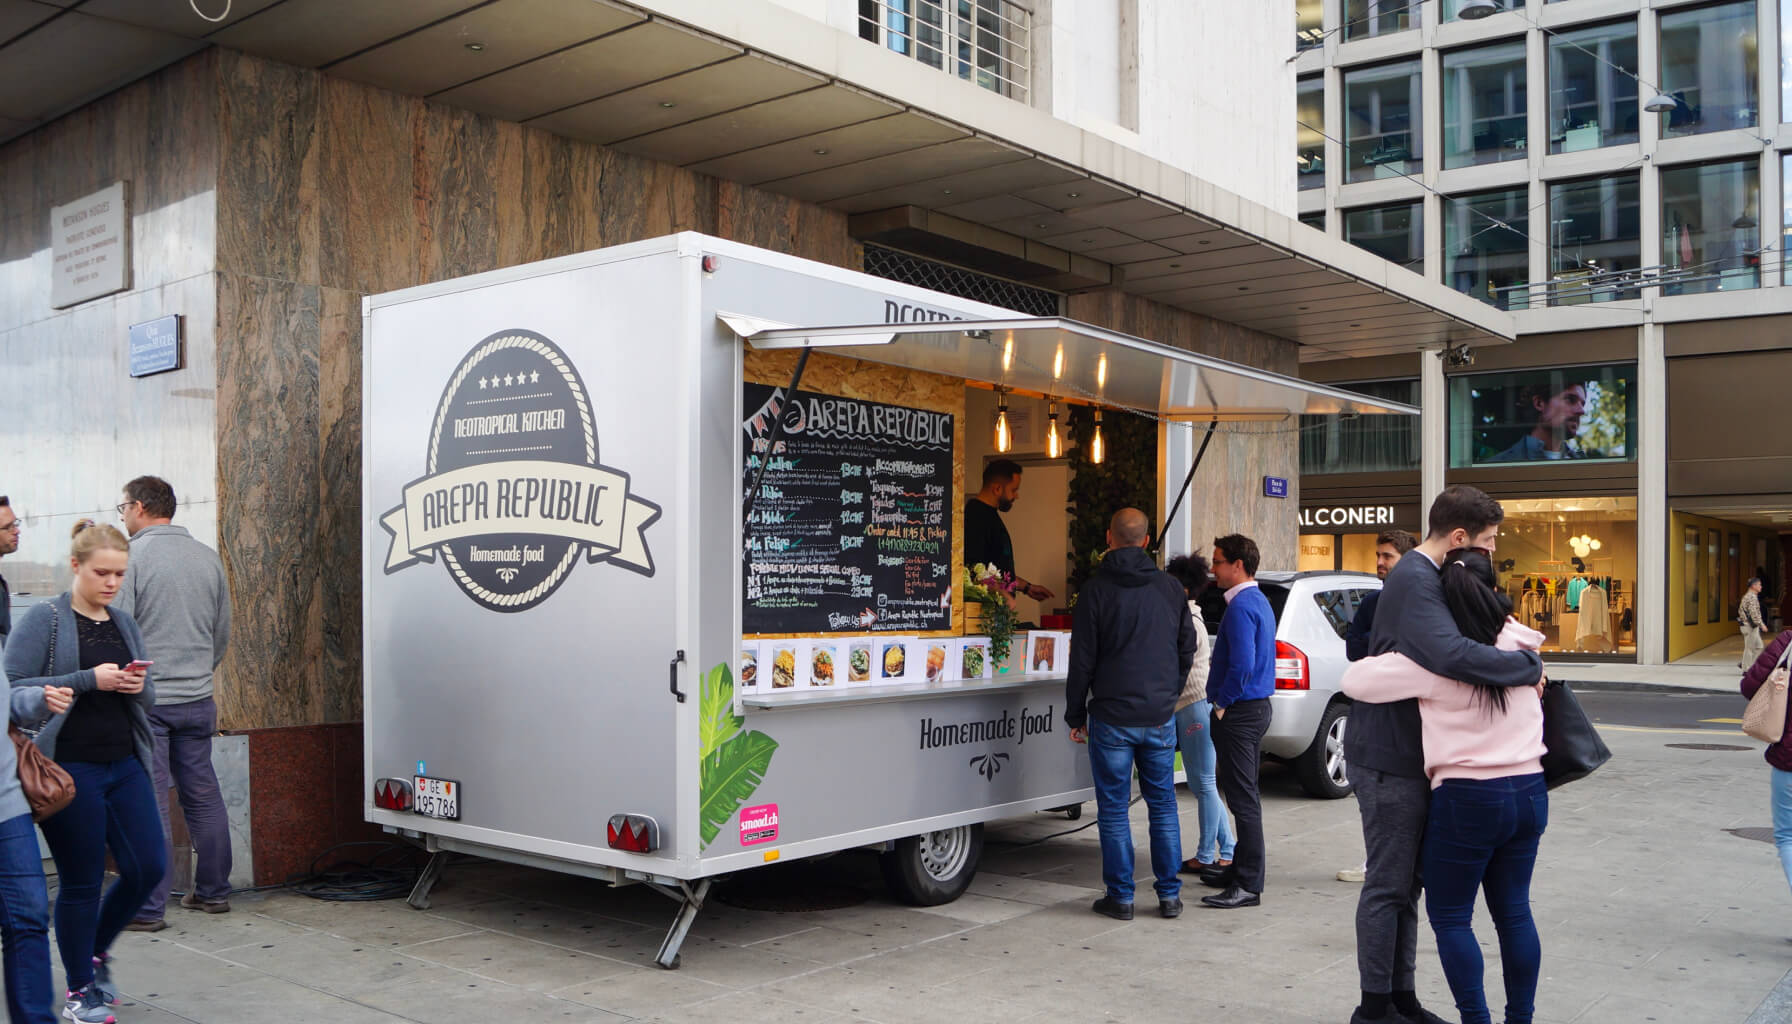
1689, 554
1564, 413
1569, 566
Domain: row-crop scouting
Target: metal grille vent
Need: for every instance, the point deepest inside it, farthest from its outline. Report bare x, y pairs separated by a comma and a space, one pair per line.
966, 284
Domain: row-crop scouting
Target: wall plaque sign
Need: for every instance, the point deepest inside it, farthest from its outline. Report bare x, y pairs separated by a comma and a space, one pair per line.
90, 246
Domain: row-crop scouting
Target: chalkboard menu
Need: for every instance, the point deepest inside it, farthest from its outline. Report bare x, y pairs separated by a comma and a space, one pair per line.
852, 529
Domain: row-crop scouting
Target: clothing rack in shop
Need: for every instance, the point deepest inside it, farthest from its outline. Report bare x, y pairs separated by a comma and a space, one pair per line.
1547, 605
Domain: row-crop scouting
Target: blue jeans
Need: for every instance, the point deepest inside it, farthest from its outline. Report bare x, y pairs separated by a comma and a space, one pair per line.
1113, 752
1483, 834
114, 808
24, 924
1782, 818
1194, 737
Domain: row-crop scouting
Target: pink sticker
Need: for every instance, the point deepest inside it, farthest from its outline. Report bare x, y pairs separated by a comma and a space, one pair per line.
758, 824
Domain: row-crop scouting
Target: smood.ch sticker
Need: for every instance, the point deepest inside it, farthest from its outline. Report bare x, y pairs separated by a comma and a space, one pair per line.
514, 492
758, 824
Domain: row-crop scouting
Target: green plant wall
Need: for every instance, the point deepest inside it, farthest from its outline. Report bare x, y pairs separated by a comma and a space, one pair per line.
1128, 476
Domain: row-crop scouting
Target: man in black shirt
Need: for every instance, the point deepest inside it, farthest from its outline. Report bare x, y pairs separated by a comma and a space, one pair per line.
985, 536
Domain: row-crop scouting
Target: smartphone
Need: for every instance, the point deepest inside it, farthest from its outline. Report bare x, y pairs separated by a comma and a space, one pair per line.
138, 666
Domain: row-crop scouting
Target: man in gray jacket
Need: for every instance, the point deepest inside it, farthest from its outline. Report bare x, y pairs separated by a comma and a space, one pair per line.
175, 589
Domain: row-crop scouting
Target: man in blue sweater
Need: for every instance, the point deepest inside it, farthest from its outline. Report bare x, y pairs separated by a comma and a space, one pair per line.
1385, 751
1239, 681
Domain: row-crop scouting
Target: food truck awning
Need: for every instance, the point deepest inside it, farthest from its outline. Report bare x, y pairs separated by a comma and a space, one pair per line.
1074, 361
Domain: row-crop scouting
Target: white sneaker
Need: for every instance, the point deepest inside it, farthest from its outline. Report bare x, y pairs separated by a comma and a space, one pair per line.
1352, 875
87, 1006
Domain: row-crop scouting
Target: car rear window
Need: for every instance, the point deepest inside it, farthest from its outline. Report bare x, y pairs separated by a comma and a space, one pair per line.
1339, 606
1213, 603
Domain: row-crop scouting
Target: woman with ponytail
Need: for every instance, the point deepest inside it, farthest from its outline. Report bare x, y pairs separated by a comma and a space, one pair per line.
103, 741
1489, 804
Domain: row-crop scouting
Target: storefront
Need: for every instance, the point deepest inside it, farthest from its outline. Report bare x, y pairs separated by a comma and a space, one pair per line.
1341, 535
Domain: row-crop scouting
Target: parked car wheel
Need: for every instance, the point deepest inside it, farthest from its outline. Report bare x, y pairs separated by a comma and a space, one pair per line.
1321, 768
935, 867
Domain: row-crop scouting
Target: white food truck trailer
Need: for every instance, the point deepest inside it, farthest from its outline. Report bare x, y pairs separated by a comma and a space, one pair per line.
582, 512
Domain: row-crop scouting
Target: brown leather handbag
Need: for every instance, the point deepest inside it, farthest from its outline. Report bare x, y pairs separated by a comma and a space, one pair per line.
48, 788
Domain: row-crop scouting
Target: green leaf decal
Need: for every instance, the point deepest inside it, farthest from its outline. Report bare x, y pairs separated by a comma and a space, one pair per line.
730, 775
718, 723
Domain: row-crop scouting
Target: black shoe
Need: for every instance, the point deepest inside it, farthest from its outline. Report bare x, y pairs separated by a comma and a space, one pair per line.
1113, 908
1171, 907
1421, 1016
1357, 1016
1232, 899
1221, 878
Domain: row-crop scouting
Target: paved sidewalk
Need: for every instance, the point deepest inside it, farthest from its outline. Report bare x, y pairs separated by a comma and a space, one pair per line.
1714, 668
1649, 910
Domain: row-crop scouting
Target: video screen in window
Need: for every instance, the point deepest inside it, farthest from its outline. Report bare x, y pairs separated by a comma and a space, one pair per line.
1560, 414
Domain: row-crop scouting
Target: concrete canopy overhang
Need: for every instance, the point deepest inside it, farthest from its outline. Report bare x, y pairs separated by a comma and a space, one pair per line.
754, 92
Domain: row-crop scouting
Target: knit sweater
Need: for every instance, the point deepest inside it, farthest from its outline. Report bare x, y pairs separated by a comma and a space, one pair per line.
176, 591
1244, 655
27, 657
1464, 736
1194, 688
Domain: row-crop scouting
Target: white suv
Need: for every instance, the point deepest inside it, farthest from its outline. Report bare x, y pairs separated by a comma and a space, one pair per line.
1312, 610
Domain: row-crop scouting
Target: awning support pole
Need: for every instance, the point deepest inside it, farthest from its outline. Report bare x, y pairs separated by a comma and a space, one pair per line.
1164, 531
771, 444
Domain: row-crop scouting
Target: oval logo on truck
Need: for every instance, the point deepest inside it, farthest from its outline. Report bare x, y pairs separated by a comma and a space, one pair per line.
514, 494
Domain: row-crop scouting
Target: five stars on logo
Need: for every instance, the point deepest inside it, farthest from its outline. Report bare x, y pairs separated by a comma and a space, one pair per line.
509, 380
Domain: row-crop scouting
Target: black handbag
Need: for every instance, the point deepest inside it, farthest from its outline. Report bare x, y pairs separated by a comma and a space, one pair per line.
1573, 748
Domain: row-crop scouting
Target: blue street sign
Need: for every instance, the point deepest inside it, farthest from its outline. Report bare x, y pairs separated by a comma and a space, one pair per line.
1275, 487
155, 346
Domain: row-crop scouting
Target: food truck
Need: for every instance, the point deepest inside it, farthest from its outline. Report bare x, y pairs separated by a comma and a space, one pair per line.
662, 572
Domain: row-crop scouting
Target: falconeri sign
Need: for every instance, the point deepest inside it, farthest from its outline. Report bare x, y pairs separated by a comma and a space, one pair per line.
514, 492
1348, 515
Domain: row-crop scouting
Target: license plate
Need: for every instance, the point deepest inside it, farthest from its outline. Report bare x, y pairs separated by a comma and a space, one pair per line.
437, 798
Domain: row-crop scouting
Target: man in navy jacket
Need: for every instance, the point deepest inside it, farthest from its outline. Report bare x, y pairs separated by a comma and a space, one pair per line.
1239, 681
1385, 754
1132, 643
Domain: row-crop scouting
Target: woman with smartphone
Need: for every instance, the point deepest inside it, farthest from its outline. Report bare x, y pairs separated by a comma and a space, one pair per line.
103, 741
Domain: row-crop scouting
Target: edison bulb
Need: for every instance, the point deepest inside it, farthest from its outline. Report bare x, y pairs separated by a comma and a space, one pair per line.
1004, 438
1053, 446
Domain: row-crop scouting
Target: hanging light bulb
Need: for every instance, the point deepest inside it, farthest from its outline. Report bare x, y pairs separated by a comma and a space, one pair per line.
1053, 447
1004, 437
1098, 449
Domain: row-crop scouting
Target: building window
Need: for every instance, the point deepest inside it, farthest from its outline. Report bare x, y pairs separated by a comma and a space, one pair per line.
1560, 415
1595, 240
1381, 107
1309, 131
1450, 8
1484, 112
1309, 24
1785, 62
1786, 223
1363, 444
1486, 250
1315, 220
988, 42
1708, 67
1396, 232
1710, 227
1569, 566
1366, 18
1592, 102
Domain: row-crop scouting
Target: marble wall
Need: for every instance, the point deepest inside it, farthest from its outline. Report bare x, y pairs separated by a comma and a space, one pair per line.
76, 426
1227, 493
329, 190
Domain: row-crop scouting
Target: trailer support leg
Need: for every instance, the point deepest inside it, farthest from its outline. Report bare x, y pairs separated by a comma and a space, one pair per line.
426, 880
690, 901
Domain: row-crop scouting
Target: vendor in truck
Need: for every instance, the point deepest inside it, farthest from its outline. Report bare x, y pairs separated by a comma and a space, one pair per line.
986, 539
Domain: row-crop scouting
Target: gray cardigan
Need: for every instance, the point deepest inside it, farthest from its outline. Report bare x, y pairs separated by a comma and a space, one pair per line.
27, 652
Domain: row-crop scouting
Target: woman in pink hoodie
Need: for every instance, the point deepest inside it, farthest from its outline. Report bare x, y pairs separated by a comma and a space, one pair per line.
1489, 804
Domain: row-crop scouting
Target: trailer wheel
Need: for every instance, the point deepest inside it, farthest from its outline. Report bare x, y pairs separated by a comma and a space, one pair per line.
935, 867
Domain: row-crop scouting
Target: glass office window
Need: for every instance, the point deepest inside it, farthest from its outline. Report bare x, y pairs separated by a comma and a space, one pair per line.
1708, 67
1785, 62
1309, 18
1786, 223
1452, 8
1591, 102
1363, 444
1710, 227
1314, 220
1595, 240
1381, 114
1395, 232
1486, 251
1484, 97
1309, 125
1366, 18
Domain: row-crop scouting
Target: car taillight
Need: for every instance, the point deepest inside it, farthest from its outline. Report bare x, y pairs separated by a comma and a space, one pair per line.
1291, 668
392, 794
634, 833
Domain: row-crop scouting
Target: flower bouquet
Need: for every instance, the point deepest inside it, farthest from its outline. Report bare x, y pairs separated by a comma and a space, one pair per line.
994, 590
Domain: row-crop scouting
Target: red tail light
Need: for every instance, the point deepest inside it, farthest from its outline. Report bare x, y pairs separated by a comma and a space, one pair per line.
634, 833
1291, 668
392, 794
